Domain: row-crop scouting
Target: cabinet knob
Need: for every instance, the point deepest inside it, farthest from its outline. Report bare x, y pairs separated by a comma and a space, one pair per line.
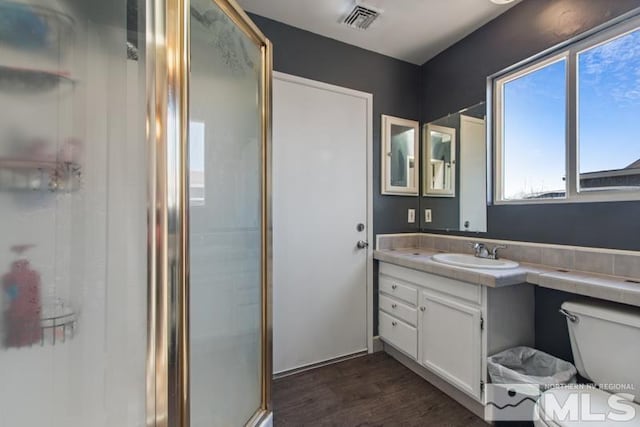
394, 305
423, 308
394, 286
394, 323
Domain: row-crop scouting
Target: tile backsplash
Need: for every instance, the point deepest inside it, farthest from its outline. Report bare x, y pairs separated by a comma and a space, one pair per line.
399, 241
593, 260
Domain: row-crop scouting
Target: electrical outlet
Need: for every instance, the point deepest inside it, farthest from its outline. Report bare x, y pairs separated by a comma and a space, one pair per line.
411, 216
427, 215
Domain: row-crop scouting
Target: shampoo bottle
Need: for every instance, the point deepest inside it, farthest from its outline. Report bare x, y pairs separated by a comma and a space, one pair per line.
22, 314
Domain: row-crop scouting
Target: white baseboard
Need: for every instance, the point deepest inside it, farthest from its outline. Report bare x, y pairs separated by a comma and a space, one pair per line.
378, 345
319, 364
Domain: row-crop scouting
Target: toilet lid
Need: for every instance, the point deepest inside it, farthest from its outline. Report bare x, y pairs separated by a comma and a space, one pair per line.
566, 407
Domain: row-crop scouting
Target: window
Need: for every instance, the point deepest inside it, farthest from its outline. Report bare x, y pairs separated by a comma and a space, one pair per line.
609, 114
533, 149
567, 127
196, 164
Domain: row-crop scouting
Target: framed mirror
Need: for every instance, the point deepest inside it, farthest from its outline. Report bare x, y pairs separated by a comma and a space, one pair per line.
400, 160
440, 161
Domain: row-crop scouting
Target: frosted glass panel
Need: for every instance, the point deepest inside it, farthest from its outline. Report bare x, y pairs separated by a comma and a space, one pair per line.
73, 215
225, 227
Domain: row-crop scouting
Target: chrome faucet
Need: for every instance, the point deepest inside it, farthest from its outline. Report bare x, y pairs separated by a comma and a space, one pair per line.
481, 250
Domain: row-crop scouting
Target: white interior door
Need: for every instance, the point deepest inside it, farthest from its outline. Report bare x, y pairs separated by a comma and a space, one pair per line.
320, 195
473, 174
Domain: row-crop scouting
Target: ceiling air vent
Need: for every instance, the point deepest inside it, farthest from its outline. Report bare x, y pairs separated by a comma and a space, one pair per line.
361, 16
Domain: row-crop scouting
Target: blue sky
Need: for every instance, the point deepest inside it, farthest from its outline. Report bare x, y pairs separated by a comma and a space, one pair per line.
609, 118
534, 132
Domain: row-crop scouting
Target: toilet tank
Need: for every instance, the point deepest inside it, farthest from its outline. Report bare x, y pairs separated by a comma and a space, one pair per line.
605, 340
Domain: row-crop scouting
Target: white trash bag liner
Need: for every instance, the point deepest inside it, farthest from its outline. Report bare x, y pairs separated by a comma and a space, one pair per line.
525, 365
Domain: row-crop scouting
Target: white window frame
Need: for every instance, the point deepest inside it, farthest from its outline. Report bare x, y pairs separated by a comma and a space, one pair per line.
568, 51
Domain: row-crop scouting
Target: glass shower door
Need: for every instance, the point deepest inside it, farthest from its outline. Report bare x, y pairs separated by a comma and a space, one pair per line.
73, 203
93, 261
228, 115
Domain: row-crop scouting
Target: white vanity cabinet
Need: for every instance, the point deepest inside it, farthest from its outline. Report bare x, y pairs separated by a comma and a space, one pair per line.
447, 327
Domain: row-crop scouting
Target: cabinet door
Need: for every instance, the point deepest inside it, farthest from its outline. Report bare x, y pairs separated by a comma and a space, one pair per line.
450, 341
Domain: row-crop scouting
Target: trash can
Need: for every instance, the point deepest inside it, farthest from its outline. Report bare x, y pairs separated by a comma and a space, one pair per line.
518, 376
526, 365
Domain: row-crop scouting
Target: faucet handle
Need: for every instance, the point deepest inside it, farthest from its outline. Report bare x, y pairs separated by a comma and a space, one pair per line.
494, 251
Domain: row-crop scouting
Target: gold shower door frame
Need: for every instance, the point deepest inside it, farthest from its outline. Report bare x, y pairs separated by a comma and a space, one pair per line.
168, 57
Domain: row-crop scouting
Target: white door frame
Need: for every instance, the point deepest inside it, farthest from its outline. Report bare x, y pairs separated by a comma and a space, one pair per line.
476, 120
368, 98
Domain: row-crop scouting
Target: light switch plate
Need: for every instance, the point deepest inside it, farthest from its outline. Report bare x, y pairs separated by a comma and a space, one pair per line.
427, 215
411, 216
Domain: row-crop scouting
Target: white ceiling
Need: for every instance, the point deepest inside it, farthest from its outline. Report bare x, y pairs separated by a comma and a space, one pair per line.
411, 30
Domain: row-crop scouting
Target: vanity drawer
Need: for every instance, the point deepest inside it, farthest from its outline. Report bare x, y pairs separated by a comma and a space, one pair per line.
467, 291
396, 288
470, 292
399, 310
399, 334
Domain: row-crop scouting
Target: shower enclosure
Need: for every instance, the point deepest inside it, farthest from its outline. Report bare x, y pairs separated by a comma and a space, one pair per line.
134, 214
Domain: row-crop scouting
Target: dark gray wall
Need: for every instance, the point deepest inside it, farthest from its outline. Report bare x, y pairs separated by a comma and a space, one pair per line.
394, 84
456, 78
552, 332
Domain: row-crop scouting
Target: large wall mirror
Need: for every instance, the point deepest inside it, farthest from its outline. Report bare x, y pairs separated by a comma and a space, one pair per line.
454, 195
400, 160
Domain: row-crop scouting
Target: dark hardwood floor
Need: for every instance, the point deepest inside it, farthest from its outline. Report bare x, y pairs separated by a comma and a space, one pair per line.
373, 390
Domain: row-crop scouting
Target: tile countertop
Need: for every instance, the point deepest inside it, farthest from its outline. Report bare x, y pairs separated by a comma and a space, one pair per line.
611, 288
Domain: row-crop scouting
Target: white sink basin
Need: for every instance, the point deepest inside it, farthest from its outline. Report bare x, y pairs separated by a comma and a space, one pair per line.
470, 261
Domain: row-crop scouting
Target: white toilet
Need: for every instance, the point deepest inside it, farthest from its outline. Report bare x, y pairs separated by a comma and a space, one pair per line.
605, 340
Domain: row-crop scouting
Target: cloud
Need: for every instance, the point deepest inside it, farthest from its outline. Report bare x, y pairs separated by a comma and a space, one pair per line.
613, 69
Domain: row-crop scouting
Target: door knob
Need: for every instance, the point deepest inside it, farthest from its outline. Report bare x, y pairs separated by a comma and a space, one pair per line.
362, 244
